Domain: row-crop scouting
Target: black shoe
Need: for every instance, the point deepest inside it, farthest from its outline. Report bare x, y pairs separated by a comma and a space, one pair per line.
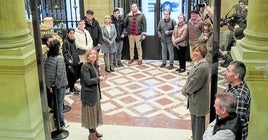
107, 70
162, 65
170, 66
120, 64
178, 69
181, 70
112, 69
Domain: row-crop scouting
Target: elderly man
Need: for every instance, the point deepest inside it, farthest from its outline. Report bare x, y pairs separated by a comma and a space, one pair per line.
227, 125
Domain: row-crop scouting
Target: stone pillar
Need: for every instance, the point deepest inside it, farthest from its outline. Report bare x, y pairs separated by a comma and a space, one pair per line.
253, 51
21, 112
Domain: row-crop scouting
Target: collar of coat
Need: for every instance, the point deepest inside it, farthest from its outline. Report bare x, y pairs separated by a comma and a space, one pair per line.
131, 13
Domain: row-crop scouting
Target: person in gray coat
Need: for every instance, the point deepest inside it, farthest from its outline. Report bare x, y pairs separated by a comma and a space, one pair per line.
55, 75
109, 35
165, 30
196, 89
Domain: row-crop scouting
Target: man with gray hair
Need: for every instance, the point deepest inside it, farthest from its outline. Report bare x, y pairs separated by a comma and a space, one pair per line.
234, 75
227, 125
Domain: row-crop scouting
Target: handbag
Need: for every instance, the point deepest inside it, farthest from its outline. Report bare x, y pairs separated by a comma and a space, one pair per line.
80, 51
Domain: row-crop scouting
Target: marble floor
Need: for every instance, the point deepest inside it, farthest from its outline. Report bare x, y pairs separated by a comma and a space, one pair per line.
139, 102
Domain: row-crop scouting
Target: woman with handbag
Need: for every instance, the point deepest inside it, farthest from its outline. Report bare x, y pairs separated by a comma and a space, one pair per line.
83, 40
71, 59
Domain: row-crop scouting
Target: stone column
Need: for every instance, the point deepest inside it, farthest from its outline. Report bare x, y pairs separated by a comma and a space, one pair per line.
20, 104
253, 51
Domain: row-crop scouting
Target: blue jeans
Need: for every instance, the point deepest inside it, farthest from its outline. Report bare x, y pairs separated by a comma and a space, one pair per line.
61, 93
118, 53
167, 47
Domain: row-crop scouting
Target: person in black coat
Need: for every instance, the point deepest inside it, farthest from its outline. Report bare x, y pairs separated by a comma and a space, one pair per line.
94, 29
71, 59
118, 22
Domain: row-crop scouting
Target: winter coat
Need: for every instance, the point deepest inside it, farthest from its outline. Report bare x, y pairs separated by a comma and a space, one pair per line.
119, 26
180, 35
141, 22
94, 30
107, 38
163, 26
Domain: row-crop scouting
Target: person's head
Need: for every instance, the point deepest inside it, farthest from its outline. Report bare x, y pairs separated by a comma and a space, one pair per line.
235, 73
89, 15
92, 56
107, 19
207, 26
47, 39
199, 52
53, 48
242, 4
70, 33
166, 14
134, 8
237, 9
181, 18
81, 25
116, 13
194, 14
225, 104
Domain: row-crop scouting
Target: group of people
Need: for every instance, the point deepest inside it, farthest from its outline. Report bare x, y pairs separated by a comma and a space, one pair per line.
79, 59
198, 30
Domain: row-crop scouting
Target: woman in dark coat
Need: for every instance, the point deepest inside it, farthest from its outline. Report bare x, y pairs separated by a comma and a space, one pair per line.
91, 94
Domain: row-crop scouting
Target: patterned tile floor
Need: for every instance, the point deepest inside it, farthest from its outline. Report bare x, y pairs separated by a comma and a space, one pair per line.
143, 96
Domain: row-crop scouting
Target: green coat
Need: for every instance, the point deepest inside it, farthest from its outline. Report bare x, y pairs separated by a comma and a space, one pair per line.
197, 89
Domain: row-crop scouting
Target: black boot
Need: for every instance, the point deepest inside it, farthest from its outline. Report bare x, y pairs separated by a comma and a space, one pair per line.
107, 69
112, 68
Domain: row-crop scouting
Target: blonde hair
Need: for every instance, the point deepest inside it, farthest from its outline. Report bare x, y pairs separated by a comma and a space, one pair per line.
107, 16
89, 52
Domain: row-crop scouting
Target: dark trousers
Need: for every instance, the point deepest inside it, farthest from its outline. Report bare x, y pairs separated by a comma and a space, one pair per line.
49, 99
182, 60
72, 76
198, 127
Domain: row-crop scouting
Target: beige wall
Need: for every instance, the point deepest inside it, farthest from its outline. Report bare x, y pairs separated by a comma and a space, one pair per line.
100, 8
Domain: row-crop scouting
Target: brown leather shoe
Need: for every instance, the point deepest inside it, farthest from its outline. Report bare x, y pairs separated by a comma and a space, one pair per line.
130, 61
140, 62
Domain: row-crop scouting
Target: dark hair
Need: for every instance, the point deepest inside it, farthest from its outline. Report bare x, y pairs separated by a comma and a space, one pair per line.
240, 68
237, 7
227, 100
54, 48
116, 10
90, 12
45, 38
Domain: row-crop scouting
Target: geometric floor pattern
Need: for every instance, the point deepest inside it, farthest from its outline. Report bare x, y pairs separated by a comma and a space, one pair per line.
143, 96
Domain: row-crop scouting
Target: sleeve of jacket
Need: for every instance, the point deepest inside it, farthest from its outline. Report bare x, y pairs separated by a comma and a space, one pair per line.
159, 30
115, 33
99, 34
144, 24
86, 73
60, 72
201, 39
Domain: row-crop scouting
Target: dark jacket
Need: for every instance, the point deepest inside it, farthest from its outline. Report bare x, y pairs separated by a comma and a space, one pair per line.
232, 122
119, 25
141, 22
94, 30
69, 52
166, 25
90, 84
